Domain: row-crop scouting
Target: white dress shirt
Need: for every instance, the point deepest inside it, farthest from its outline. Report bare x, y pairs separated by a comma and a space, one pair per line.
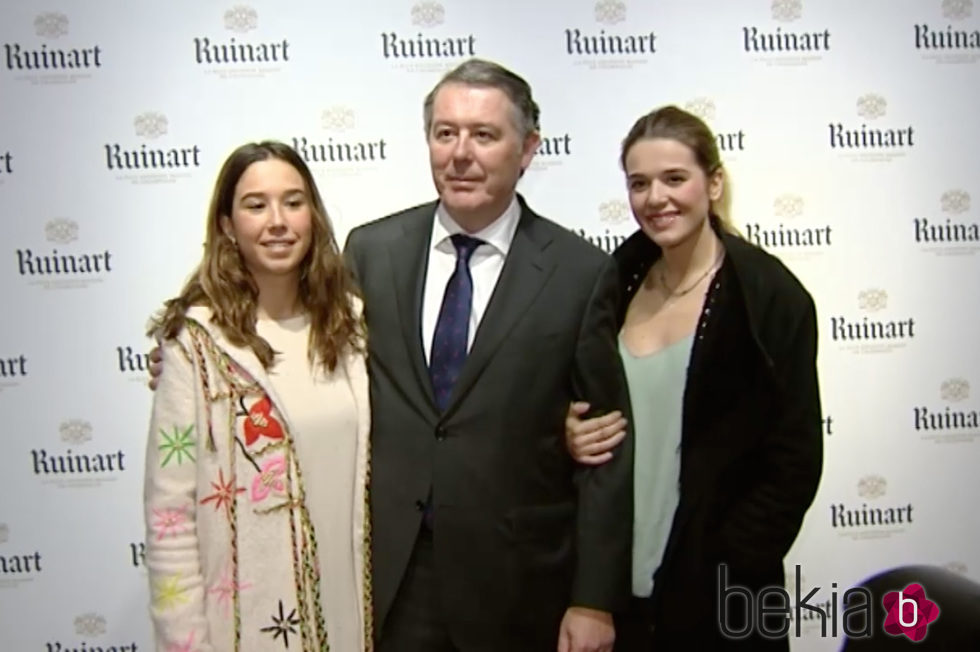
485, 265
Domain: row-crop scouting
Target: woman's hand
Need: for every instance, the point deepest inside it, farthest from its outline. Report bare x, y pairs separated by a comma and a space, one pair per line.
592, 441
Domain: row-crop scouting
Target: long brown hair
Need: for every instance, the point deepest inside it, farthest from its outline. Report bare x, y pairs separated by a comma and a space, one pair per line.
223, 283
686, 128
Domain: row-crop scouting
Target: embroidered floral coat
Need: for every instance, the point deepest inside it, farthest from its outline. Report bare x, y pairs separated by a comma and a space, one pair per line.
230, 548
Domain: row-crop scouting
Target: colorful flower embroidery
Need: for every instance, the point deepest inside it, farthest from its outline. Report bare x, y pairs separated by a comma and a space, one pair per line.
168, 594
225, 588
224, 492
270, 478
260, 423
283, 625
169, 521
180, 443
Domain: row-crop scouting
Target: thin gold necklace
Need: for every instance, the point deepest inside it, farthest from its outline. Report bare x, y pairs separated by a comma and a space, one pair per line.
671, 293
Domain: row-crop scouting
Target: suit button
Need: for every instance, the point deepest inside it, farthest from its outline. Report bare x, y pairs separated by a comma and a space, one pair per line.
440, 433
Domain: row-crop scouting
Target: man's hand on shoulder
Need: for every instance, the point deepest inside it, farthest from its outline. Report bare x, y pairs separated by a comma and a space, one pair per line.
156, 367
586, 630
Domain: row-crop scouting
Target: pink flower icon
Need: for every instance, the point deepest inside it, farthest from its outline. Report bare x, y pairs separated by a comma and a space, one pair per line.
269, 479
909, 612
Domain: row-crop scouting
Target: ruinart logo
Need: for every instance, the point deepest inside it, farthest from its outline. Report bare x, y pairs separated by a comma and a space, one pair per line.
241, 56
876, 520
63, 266
949, 40
74, 463
59, 62
873, 332
612, 214
615, 48
785, 44
154, 160
871, 143
729, 141
953, 235
791, 232
955, 422
92, 625
17, 565
433, 50
341, 146
553, 151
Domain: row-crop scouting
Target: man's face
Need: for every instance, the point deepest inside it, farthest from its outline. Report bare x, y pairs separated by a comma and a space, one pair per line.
476, 152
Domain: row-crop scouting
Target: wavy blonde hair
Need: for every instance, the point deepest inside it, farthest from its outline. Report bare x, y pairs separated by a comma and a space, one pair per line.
222, 282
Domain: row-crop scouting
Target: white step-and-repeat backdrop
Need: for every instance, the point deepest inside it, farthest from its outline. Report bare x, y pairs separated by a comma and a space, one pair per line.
849, 129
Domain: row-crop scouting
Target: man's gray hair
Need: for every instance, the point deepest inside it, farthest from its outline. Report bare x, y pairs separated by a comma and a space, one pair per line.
487, 74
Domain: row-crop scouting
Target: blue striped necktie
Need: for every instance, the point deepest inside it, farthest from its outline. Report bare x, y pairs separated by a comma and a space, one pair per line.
453, 327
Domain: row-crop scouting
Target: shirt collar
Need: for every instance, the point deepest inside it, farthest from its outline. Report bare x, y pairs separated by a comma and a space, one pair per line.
498, 234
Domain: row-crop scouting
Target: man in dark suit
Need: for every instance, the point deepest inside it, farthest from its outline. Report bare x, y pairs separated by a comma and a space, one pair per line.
484, 321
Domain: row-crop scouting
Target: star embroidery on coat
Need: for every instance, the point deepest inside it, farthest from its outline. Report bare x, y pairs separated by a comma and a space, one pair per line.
225, 588
186, 646
169, 521
224, 492
168, 593
179, 444
283, 625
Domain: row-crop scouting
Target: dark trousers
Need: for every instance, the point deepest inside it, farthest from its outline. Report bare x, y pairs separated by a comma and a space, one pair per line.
637, 630
413, 624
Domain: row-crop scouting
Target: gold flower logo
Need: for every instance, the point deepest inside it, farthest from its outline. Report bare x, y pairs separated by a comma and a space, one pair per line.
51, 24
337, 118
610, 12
702, 107
75, 431
955, 390
90, 624
241, 19
872, 300
61, 231
428, 14
871, 106
955, 201
613, 212
957, 9
872, 486
786, 11
787, 206
150, 125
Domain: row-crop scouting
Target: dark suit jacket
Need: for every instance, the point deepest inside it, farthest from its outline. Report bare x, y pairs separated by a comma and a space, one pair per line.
751, 441
520, 531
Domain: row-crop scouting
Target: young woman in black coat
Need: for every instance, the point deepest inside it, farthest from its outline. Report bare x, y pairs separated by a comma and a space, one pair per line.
718, 339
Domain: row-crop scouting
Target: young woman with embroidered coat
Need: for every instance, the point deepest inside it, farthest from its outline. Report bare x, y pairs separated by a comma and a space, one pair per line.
258, 458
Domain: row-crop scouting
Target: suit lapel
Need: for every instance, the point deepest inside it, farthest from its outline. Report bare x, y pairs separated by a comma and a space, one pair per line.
409, 258
524, 274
